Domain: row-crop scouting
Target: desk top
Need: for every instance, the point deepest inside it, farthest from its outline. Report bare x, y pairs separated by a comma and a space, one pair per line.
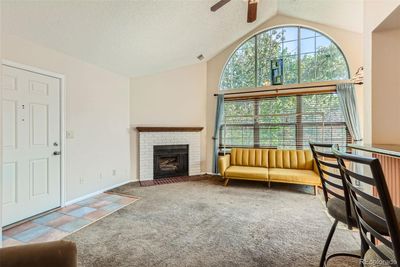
389, 150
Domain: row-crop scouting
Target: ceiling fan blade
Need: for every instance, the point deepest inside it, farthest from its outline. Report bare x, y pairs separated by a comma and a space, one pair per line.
219, 4
251, 11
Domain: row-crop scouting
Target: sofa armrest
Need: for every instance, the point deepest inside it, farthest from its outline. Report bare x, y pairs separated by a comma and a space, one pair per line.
58, 253
223, 163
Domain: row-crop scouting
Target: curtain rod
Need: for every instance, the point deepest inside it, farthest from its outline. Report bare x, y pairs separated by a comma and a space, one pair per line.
281, 89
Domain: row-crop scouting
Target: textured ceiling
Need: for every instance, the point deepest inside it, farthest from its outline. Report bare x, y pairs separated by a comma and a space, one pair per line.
344, 14
147, 36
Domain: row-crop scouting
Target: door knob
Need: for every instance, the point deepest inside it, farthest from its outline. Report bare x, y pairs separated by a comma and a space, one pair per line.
56, 153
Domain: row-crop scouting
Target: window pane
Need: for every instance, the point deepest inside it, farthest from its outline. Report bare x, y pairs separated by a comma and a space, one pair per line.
290, 67
322, 41
330, 64
282, 137
269, 46
278, 105
326, 104
307, 45
238, 126
290, 33
308, 66
306, 33
289, 48
240, 70
238, 136
276, 34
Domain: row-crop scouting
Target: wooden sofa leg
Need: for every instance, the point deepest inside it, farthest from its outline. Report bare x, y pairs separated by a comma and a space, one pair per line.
315, 190
226, 181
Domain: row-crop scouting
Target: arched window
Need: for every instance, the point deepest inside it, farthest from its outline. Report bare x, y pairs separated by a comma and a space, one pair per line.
307, 55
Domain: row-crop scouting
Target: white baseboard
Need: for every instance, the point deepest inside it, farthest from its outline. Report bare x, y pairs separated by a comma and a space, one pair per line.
70, 202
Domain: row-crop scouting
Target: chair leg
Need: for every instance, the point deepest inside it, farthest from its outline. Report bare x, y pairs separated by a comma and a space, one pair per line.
226, 181
315, 190
327, 243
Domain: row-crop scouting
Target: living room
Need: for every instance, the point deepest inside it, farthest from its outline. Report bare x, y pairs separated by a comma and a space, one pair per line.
177, 133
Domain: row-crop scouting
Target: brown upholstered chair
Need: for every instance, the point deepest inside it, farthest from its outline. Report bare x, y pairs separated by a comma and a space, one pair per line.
49, 254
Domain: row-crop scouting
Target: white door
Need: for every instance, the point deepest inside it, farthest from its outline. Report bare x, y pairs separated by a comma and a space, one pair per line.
31, 144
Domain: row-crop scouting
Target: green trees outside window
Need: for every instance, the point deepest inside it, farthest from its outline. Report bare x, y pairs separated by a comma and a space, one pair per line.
286, 121
308, 56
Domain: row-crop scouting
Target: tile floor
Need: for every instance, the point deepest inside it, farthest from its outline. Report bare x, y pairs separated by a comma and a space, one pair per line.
62, 222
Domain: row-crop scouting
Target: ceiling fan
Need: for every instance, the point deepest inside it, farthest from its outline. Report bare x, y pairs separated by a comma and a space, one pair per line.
251, 8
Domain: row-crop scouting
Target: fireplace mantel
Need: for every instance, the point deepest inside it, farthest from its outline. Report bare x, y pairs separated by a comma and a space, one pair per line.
169, 129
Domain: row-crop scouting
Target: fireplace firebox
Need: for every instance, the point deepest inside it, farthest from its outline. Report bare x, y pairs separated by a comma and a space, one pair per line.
171, 161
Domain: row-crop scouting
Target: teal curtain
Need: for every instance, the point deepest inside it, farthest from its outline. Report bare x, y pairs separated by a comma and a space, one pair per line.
347, 99
218, 122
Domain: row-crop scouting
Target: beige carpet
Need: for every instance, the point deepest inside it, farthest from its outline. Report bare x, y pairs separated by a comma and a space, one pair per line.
202, 223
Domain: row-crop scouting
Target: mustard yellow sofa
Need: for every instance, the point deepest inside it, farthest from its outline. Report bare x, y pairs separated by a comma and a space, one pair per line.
270, 165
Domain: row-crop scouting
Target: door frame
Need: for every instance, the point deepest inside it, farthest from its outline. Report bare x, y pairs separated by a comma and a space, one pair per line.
61, 78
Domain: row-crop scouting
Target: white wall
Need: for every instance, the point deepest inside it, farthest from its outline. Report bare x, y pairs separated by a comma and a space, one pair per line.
374, 13
97, 111
172, 98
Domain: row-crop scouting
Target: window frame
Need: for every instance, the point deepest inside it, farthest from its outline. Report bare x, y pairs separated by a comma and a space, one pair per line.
298, 54
298, 125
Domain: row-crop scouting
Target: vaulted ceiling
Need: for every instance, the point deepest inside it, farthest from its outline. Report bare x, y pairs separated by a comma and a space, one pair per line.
147, 36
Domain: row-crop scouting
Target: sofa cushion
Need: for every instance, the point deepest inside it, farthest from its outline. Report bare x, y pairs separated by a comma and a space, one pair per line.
255, 173
249, 157
296, 176
290, 159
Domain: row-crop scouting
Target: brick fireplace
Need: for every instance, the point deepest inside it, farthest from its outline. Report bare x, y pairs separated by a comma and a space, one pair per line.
168, 152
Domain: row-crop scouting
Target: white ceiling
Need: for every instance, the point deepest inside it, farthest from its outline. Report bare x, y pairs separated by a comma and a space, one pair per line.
147, 36
344, 14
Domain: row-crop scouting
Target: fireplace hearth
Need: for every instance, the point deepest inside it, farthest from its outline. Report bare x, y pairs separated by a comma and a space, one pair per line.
171, 161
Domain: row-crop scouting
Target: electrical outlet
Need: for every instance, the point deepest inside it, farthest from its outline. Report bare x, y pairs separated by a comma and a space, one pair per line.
114, 172
81, 180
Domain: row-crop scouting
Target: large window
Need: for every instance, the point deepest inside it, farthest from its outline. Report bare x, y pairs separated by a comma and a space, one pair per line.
307, 55
286, 122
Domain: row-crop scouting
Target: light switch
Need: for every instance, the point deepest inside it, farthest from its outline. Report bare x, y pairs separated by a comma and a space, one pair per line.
70, 134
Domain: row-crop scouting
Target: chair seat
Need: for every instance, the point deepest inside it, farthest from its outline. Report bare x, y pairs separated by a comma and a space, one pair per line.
336, 208
372, 259
241, 172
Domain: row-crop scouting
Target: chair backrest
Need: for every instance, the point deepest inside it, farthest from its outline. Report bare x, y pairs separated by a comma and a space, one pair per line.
332, 180
364, 200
